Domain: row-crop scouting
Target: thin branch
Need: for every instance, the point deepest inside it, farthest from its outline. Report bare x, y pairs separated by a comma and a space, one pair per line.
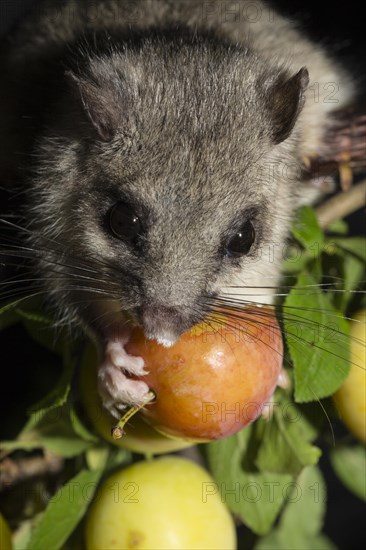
342, 205
13, 472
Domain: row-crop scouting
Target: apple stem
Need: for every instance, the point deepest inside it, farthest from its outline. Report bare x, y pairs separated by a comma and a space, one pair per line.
118, 430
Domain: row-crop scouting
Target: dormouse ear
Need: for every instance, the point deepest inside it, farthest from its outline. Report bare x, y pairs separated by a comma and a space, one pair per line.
103, 100
286, 99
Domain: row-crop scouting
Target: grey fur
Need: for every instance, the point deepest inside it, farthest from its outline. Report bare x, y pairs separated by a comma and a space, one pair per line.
196, 129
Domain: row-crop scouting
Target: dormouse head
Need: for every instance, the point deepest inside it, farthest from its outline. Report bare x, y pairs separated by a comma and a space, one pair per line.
164, 179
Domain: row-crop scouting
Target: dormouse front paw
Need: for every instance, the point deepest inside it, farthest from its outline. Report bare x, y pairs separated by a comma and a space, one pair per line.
116, 389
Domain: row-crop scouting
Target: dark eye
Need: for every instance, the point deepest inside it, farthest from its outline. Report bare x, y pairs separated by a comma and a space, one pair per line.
242, 242
124, 222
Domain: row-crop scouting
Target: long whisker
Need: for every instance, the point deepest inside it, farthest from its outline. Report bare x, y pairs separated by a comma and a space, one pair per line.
59, 246
243, 314
239, 303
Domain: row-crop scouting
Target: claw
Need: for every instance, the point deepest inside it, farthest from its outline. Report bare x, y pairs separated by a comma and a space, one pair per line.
116, 389
120, 358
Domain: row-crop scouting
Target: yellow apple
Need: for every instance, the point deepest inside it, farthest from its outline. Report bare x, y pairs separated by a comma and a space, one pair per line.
5, 535
350, 399
167, 503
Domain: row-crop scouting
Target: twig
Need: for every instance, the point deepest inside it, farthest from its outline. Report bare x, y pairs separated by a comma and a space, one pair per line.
342, 205
13, 472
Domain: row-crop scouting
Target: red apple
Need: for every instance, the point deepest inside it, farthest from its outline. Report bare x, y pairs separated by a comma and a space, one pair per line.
216, 379
139, 437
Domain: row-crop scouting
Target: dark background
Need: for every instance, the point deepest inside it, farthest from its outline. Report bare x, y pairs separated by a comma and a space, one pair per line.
340, 26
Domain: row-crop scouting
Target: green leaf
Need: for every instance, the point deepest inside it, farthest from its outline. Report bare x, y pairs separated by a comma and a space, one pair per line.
118, 457
55, 399
308, 499
35, 316
8, 315
318, 340
339, 226
59, 394
307, 231
4, 309
67, 447
22, 535
349, 463
353, 245
40, 327
314, 266
285, 447
276, 541
107, 457
17, 310
97, 457
353, 273
18, 445
321, 542
80, 429
53, 423
65, 510
256, 497
346, 271
46, 336
56, 429
51, 430
294, 260
303, 516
